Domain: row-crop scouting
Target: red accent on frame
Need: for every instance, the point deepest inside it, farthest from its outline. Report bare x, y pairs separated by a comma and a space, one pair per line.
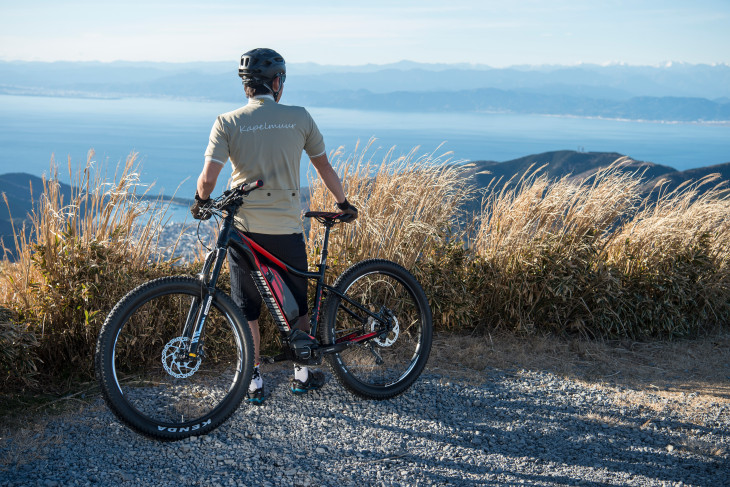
349, 338
256, 247
275, 284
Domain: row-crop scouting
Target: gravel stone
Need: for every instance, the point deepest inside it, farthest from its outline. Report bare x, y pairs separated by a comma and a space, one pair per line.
514, 428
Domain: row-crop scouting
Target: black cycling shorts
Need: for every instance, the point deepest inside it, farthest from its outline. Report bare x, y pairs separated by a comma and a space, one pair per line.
290, 249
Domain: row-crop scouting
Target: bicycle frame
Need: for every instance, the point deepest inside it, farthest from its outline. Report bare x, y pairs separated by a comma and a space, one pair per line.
273, 290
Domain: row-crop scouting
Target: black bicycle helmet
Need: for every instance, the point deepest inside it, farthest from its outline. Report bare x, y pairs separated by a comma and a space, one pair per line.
260, 66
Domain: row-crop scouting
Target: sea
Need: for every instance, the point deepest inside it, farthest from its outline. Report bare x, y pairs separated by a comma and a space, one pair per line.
169, 137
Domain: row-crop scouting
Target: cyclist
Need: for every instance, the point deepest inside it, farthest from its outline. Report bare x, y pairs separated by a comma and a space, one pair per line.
264, 140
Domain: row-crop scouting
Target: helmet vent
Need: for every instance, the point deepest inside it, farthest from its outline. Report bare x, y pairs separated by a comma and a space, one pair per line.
261, 65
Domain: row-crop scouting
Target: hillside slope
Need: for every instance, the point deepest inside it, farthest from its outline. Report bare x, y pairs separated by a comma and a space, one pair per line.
22, 191
676, 178
557, 164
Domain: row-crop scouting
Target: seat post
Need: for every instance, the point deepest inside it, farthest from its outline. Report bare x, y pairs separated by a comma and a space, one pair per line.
325, 245
314, 318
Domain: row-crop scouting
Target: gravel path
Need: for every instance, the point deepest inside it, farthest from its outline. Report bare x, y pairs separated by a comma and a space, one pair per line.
509, 428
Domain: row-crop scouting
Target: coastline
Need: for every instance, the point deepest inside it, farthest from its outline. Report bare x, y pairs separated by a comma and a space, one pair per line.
81, 95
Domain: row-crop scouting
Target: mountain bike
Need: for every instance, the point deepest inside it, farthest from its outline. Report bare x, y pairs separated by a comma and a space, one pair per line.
175, 355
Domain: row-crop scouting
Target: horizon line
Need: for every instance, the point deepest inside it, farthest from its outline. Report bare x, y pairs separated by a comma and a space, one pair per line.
662, 64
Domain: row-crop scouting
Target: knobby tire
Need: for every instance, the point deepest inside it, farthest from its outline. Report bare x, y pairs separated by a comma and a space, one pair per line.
379, 285
140, 337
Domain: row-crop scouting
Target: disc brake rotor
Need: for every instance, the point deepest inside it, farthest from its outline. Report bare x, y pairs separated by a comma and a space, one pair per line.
392, 335
175, 361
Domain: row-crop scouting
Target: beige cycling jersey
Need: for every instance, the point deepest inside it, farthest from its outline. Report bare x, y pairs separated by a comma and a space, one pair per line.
264, 140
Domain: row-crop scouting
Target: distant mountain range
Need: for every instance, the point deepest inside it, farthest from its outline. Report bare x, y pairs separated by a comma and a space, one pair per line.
673, 92
665, 109
16, 186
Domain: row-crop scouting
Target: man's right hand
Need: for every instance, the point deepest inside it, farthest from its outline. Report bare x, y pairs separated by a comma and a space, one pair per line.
347, 208
201, 208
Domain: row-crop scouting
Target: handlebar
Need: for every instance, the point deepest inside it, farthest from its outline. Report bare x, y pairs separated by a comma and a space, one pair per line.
230, 200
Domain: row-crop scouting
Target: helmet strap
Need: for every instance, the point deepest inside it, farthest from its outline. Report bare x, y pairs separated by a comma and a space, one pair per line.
276, 93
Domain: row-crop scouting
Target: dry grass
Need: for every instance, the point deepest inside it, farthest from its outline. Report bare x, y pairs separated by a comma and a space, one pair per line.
599, 258
408, 206
674, 256
563, 213
77, 259
594, 258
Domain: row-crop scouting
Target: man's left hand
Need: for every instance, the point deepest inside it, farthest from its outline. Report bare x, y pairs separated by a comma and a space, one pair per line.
348, 209
201, 208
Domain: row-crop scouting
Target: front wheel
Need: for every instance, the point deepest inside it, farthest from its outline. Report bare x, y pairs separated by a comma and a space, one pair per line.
386, 365
146, 376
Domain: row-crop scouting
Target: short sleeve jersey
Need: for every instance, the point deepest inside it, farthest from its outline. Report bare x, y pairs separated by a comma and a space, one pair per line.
264, 140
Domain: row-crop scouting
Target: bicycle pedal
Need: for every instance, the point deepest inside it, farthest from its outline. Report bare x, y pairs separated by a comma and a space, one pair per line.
276, 358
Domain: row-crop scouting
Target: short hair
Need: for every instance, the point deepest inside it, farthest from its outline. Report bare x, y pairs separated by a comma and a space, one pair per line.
255, 90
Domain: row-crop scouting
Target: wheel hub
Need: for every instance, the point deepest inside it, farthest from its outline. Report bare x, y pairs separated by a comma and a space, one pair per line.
176, 361
392, 335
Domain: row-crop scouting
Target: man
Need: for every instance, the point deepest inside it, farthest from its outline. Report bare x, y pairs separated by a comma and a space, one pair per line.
264, 140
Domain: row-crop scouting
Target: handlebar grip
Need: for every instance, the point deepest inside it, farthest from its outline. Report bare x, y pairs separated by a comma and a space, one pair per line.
251, 186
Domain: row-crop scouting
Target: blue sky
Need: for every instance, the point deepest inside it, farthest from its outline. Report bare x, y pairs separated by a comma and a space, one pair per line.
494, 33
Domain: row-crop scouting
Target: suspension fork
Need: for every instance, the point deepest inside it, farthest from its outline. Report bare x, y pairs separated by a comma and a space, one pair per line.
200, 307
203, 276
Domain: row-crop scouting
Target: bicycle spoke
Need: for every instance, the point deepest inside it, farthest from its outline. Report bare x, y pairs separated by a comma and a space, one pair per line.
155, 385
388, 362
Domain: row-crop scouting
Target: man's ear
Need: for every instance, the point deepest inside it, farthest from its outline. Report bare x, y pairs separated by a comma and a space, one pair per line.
276, 86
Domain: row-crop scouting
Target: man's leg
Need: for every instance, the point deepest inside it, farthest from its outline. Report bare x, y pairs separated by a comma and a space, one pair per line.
256, 334
292, 249
305, 380
247, 298
255, 393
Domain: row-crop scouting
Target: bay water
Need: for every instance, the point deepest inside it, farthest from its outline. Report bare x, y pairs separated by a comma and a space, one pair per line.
170, 136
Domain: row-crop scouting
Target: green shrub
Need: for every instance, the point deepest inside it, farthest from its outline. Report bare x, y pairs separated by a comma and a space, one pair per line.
80, 258
18, 358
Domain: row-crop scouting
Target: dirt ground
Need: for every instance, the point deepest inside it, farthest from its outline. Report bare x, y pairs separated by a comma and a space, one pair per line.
695, 372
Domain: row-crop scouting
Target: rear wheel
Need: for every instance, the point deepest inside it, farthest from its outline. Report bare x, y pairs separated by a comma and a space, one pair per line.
146, 376
386, 365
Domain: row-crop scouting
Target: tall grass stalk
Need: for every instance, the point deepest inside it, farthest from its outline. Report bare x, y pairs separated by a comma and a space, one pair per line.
408, 205
78, 257
599, 257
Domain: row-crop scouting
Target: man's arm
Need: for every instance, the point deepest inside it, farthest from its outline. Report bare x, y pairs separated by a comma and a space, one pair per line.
208, 179
329, 176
